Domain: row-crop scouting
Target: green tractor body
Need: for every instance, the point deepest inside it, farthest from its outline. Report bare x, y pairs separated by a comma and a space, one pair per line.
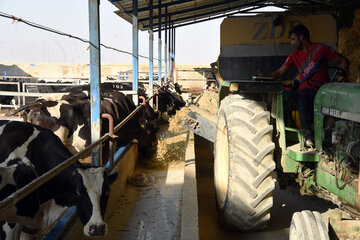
336, 126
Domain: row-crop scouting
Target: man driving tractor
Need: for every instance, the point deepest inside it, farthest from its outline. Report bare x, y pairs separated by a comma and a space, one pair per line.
311, 60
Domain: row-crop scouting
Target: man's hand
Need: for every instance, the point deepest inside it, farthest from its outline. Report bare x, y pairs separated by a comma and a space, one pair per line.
344, 64
341, 76
288, 83
280, 72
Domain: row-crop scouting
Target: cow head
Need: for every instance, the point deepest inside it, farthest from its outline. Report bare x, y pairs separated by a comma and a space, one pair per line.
92, 194
37, 113
149, 125
41, 117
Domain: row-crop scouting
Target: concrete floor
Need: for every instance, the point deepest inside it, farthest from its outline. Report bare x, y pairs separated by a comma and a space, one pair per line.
153, 212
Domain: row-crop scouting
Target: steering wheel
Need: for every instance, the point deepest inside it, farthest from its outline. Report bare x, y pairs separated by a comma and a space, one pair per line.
336, 74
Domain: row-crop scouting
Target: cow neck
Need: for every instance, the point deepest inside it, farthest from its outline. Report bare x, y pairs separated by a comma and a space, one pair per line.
32, 168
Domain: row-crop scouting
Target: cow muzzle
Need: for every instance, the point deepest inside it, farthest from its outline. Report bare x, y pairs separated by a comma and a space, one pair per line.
96, 230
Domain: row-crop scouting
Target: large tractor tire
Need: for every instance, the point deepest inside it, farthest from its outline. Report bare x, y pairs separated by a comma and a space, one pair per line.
244, 164
307, 225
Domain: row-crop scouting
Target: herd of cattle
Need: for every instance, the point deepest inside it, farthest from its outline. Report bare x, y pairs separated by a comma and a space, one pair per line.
55, 128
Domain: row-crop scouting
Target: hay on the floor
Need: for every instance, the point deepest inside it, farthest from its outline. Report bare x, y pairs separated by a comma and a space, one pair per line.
208, 101
171, 143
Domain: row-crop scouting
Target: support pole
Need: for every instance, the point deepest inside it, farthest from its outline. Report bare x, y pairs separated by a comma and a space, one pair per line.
95, 78
174, 48
165, 49
135, 35
151, 50
169, 48
159, 45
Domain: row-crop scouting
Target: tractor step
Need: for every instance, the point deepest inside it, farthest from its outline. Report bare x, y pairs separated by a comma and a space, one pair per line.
299, 155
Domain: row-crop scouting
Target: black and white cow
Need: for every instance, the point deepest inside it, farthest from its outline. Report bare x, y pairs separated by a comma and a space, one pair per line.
169, 96
170, 99
28, 151
68, 116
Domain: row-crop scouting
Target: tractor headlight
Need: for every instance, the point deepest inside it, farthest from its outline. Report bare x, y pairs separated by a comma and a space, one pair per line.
234, 87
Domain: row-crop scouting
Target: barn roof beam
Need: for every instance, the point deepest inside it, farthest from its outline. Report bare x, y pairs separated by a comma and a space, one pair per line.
259, 6
208, 6
211, 18
144, 9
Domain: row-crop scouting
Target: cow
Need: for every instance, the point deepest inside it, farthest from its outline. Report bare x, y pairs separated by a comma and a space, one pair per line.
28, 151
169, 94
55, 88
170, 99
68, 116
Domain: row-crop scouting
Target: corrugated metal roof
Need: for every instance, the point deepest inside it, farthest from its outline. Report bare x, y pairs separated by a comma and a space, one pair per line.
183, 12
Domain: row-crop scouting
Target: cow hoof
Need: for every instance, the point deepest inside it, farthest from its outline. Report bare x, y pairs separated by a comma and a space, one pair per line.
141, 180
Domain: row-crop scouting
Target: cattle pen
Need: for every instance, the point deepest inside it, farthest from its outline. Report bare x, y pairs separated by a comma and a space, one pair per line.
123, 161
120, 131
124, 164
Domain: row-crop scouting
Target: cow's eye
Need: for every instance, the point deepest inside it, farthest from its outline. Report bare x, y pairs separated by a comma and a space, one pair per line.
78, 194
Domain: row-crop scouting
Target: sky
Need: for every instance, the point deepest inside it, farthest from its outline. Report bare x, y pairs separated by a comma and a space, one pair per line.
195, 44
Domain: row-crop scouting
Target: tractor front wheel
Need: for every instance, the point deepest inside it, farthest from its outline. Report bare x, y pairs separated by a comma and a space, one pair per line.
244, 164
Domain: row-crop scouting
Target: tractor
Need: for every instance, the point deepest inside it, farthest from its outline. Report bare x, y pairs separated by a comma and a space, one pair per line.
257, 132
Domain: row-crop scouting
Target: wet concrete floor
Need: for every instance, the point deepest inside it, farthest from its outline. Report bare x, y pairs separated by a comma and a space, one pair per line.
152, 212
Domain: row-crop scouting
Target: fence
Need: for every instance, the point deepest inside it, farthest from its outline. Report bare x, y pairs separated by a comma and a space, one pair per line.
28, 91
194, 80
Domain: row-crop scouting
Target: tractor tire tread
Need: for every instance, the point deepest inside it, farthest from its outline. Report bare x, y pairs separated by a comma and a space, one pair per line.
251, 165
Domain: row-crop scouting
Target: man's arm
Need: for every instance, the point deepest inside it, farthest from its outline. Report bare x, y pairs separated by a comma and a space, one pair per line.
344, 62
280, 72
337, 57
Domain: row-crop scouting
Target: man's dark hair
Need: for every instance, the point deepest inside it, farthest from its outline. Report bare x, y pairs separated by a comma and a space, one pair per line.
300, 29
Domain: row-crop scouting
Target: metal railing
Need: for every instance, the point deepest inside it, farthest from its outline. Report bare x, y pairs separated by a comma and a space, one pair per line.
23, 92
18, 90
